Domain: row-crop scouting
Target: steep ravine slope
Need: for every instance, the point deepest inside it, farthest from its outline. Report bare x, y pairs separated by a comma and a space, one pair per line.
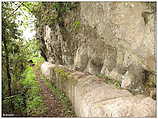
116, 39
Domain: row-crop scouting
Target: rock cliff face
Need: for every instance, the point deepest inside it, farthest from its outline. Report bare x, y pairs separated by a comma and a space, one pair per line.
112, 38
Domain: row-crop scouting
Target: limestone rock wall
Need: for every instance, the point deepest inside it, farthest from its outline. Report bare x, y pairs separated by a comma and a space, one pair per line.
112, 38
124, 28
92, 97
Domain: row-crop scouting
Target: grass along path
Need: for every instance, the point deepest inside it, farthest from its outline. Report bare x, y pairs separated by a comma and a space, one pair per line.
57, 103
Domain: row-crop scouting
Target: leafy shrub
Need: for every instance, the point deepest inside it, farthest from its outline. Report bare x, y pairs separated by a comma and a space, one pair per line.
76, 24
17, 102
109, 80
34, 103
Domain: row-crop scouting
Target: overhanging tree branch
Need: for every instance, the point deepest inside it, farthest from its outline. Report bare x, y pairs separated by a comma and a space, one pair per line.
26, 7
13, 13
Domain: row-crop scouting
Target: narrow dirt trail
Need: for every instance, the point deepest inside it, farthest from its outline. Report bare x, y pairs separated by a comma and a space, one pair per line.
54, 107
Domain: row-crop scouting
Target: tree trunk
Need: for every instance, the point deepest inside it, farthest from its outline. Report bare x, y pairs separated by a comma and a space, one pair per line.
7, 66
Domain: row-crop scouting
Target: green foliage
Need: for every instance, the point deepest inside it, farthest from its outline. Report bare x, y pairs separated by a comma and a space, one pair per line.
40, 10
34, 104
64, 6
63, 74
38, 60
50, 13
109, 80
76, 24
17, 77
13, 58
18, 101
29, 78
151, 5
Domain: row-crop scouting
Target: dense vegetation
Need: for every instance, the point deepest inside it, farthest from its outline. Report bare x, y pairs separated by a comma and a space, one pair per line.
20, 90
16, 52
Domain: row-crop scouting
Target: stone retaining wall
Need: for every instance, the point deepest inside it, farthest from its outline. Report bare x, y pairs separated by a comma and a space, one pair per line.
91, 97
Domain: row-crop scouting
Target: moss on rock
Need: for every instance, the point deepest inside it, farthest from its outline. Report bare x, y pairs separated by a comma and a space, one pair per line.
61, 73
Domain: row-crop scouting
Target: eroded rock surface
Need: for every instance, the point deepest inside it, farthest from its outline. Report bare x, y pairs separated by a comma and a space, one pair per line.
112, 38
